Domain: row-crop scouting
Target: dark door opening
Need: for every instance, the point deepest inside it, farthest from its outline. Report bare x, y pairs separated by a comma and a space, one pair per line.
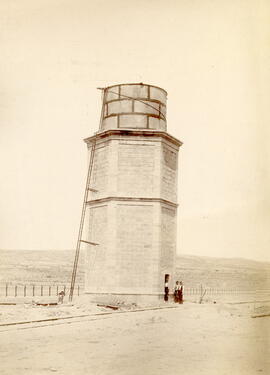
166, 287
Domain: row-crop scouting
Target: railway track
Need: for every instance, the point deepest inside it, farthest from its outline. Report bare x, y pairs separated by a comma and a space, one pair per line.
31, 324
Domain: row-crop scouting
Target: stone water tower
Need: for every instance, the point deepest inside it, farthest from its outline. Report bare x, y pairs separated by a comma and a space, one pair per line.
132, 204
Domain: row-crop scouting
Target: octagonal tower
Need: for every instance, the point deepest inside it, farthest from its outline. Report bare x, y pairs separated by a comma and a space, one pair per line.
132, 205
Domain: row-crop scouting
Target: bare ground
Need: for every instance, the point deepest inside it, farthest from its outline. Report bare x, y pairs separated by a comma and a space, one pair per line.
190, 339
206, 339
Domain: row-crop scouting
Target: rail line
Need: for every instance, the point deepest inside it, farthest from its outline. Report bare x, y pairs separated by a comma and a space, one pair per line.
69, 319
31, 324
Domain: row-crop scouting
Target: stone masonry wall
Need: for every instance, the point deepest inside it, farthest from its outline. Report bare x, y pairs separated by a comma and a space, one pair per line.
168, 243
136, 169
100, 170
96, 275
169, 157
135, 252
129, 217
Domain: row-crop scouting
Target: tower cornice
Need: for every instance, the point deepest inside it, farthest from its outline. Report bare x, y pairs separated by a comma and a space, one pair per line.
131, 199
133, 132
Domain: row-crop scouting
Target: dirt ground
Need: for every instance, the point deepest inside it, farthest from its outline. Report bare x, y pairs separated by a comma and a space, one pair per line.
190, 339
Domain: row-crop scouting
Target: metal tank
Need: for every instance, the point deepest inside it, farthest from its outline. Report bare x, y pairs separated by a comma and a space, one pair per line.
134, 106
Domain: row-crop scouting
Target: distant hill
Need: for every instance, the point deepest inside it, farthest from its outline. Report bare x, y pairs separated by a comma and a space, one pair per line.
39, 266
55, 267
227, 273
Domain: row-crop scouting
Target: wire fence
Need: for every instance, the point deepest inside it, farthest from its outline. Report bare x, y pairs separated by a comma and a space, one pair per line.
35, 290
217, 291
45, 290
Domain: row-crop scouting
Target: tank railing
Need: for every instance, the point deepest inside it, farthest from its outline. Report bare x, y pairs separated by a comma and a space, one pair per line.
161, 115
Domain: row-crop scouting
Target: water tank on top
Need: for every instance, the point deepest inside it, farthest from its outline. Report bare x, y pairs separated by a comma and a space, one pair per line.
134, 106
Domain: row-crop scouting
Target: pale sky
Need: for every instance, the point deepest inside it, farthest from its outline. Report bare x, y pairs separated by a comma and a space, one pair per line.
213, 58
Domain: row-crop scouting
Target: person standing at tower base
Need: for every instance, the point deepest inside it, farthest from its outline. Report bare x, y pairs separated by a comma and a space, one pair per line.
166, 291
180, 292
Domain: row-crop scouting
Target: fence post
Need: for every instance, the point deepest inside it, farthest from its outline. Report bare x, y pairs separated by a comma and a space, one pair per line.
24, 291
65, 289
6, 290
15, 291
41, 290
49, 291
57, 290
33, 290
